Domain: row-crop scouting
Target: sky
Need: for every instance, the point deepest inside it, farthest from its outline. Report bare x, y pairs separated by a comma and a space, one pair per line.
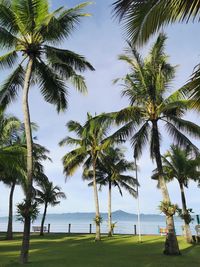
100, 39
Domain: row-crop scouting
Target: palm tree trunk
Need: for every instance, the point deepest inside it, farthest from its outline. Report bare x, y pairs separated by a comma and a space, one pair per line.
171, 243
109, 211
27, 125
188, 234
43, 220
9, 234
98, 234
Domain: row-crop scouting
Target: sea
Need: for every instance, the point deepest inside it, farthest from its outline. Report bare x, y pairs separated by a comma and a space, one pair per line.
125, 223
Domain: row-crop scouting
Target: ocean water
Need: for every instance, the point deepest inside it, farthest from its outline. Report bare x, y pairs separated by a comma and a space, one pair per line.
80, 223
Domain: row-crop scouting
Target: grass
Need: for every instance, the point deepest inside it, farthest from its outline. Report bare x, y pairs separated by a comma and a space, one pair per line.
59, 250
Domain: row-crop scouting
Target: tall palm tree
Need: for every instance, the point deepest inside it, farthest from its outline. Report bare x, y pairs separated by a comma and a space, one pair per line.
181, 165
143, 18
150, 108
90, 143
111, 171
28, 30
48, 194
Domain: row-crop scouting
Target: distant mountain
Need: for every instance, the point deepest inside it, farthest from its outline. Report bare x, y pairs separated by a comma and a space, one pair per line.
118, 215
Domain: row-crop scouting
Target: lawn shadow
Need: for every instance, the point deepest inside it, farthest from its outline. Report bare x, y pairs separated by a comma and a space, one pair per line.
119, 251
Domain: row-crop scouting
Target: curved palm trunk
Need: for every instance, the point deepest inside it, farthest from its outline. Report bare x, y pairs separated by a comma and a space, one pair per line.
43, 220
109, 211
171, 243
98, 234
27, 125
188, 234
9, 234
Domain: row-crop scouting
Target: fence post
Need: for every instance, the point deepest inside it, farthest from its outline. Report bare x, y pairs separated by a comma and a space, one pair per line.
69, 228
135, 229
90, 228
49, 226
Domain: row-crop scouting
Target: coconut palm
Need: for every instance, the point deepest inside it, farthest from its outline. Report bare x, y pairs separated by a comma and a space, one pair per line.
143, 18
111, 171
13, 165
29, 31
13, 171
16, 175
150, 110
181, 165
91, 141
12, 159
48, 194
15, 139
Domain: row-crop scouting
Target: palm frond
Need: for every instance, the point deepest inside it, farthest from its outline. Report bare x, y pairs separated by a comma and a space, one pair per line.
78, 81
60, 194
11, 86
179, 138
174, 108
8, 60
131, 181
75, 126
7, 18
41, 8
87, 175
69, 141
88, 161
73, 160
60, 24
193, 88
143, 18
25, 14
52, 87
122, 134
130, 113
7, 40
140, 139
158, 50
67, 58
128, 188
186, 126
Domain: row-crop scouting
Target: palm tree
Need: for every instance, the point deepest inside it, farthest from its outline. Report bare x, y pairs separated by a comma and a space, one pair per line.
48, 194
146, 87
15, 140
28, 30
183, 166
16, 175
91, 141
12, 159
111, 171
143, 18
13, 165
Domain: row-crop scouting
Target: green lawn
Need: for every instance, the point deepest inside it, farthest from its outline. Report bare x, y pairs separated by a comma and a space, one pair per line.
58, 250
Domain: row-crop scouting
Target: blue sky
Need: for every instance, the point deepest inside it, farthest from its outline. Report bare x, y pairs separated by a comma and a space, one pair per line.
99, 38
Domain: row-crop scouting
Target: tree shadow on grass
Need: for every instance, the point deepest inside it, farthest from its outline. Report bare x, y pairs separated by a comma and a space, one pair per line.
119, 251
